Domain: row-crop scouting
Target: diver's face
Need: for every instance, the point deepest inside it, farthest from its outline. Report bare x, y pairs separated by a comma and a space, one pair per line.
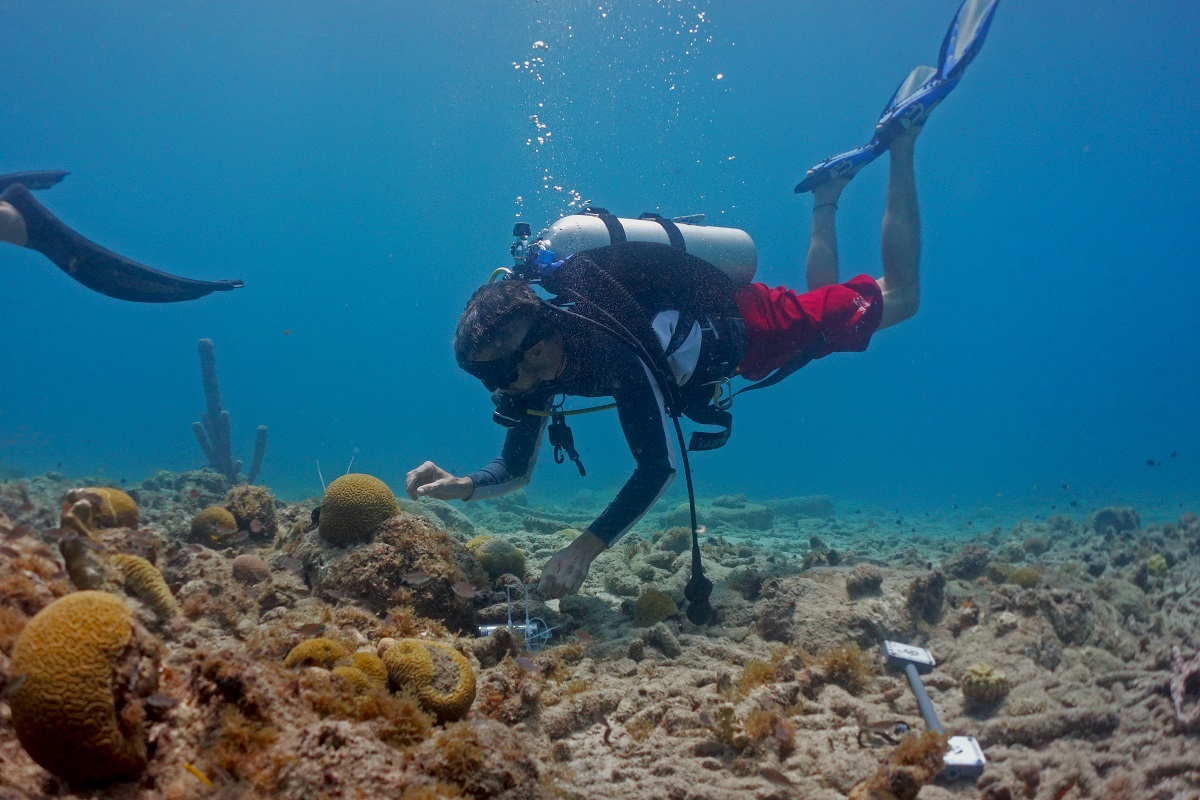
512, 364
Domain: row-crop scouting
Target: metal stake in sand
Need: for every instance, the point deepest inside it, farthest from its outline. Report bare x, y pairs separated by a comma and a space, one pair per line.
965, 760
535, 630
213, 432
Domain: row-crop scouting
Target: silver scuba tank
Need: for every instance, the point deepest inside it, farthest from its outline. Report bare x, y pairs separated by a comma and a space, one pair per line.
728, 249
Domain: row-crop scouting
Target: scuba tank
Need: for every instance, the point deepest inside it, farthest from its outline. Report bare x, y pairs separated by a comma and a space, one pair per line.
728, 249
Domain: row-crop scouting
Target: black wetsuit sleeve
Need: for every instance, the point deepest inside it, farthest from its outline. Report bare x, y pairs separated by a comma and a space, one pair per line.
513, 468
645, 423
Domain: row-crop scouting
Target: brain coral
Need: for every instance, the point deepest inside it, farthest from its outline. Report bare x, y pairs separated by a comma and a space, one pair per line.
440, 676
1025, 577
497, 556
86, 665
147, 584
353, 507
320, 652
250, 569
212, 525
983, 686
652, 607
115, 509
372, 666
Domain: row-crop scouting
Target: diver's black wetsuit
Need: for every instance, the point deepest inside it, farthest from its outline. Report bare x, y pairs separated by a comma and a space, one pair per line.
597, 366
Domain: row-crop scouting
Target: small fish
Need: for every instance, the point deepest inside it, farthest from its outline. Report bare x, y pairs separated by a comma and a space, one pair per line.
311, 629
236, 538
416, 578
465, 590
525, 664
40, 549
199, 775
582, 635
1174, 454
194, 493
1152, 463
11, 552
340, 597
316, 516
287, 332
25, 508
256, 526
24, 529
194, 548
782, 734
1074, 503
12, 687
706, 720
294, 564
774, 776
163, 701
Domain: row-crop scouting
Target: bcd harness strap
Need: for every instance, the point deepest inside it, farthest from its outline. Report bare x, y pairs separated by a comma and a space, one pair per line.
616, 231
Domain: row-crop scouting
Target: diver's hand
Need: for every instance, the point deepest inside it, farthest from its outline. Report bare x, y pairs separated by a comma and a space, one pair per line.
430, 480
566, 570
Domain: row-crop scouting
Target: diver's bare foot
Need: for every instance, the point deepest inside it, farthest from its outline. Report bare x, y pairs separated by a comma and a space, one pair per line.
907, 140
827, 193
12, 225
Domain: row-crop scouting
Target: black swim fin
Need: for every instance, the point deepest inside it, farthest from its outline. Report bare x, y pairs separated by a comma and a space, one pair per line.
95, 267
39, 179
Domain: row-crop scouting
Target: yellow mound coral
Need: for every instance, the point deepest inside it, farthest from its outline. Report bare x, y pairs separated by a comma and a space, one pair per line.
147, 584
497, 556
353, 507
372, 666
212, 525
1156, 565
983, 686
652, 607
114, 508
440, 676
354, 679
319, 652
1025, 577
86, 666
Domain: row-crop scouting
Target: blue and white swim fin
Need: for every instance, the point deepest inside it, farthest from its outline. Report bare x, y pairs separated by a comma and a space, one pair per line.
917, 95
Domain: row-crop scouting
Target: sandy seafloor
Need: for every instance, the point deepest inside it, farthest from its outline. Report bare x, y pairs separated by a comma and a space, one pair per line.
762, 704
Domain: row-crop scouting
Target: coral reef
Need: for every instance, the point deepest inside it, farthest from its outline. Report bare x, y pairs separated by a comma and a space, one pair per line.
213, 525
250, 569
915, 762
441, 677
86, 666
983, 687
214, 430
1185, 689
319, 652
497, 556
410, 563
926, 596
863, 580
147, 584
353, 507
652, 607
113, 508
968, 562
1025, 577
253, 510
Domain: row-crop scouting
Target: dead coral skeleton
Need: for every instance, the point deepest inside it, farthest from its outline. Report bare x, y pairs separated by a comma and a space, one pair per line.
1185, 690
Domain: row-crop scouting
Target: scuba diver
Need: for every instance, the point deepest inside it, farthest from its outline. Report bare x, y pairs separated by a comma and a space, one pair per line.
27, 223
662, 327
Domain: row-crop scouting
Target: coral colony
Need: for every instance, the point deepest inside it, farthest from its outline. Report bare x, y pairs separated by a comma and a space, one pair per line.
197, 637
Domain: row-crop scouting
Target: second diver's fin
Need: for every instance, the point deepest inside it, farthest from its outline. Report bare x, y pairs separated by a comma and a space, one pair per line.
843, 165
99, 269
37, 179
965, 36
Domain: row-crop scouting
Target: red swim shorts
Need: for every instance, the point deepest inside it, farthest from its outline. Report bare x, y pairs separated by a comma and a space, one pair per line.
781, 323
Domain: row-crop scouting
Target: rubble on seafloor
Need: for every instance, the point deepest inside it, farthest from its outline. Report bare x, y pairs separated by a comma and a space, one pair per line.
285, 665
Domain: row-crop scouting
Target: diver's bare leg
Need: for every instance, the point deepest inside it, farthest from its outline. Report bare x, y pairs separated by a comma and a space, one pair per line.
12, 225
901, 235
821, 265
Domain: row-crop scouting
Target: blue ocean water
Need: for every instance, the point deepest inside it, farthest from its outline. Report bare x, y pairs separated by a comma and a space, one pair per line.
360, 166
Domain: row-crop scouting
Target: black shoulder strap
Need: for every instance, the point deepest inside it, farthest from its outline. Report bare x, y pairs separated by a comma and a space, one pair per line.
616, 231
674, 235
